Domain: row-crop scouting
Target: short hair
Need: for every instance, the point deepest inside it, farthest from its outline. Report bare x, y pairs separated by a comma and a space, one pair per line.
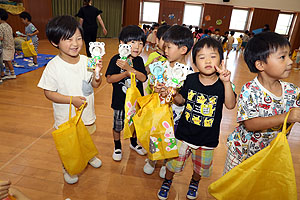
3, 14
161, 30
208, 42
232, 32
217, 29
205, 31
25, 15
62, 28
180, 36
86, 2
132, 32
261, 46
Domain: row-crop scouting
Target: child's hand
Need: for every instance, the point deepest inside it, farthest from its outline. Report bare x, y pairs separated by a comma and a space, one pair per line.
224, 73
156, 59
123, 65
4, 187
161, 89
78, 101
98, 69
294, 115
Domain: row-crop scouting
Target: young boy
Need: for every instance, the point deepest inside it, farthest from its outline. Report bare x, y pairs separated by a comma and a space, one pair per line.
31, 32
265, 100
203, 95
178, 41
152, 36
158, 55
66, 76
118, 73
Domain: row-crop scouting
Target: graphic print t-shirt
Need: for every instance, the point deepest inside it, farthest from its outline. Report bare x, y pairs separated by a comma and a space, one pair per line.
200, 122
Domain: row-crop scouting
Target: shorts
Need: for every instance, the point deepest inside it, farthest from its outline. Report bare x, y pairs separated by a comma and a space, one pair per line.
244, 44
119, 116
8, 54
202, 159
91, 128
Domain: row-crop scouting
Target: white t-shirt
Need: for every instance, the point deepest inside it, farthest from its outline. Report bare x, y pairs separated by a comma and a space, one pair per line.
70, 80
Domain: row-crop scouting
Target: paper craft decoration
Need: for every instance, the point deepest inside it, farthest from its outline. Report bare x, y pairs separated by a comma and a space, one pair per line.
207, 18
124, 51
219, 22
97, 51
171, 16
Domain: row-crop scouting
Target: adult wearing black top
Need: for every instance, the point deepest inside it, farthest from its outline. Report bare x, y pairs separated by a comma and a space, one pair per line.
88, 15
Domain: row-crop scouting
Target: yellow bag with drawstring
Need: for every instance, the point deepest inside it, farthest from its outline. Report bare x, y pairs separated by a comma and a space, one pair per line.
74, 143
28, 49
269, 174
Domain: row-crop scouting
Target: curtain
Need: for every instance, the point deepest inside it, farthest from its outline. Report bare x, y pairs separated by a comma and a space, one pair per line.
111, 16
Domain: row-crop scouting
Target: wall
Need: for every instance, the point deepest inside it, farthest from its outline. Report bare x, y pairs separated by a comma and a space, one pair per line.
264, 16
289, 5
171, 7
131, 12
217, 12
295, 37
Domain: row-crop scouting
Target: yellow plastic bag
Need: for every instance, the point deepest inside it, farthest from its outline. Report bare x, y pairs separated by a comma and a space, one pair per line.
155, 128
28, 49
74, 143
131, 107
269, 174
294, 55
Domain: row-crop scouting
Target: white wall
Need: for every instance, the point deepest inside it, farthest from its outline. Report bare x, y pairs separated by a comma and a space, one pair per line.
285, 5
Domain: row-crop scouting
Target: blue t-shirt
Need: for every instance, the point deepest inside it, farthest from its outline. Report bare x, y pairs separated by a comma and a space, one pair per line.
29, 29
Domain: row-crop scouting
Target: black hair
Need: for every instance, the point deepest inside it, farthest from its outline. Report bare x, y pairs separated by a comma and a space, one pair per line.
266, 27
25, 15
226, 33
86, 2
217, 29
161, 30
232, 32
180, 36
132, 32
261, 46
200, 30
155, 25
208, 42
62, 28
205, 31
3, 14
209, 31
241, 36
190, 27
246, 32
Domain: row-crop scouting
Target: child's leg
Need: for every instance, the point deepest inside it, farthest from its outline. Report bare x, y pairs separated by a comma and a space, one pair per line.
174, 165
117, 128
134, 145
8, 65
34, 59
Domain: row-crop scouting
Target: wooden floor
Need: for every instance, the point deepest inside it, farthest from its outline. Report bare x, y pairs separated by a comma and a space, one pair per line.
29, 159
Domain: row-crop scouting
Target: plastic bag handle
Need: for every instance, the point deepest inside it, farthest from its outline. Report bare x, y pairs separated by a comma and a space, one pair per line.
132, 76
70, 109
285, 122
78, 111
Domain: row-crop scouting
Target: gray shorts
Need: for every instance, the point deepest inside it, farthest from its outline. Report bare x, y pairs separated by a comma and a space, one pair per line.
119, 116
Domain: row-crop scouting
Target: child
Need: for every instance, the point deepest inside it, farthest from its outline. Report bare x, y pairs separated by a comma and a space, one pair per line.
118, 73
264, 101
66, 76
178, 43
158, 55
6, 35
230, 42
297, 59
240, 40
152, 36
245, 39
203, 95
31, 32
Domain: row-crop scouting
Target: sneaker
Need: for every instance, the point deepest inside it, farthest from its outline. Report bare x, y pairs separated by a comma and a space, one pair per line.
9, 77
33, 65
1, 81
162, 172
139, 149
149, 166
95, 162
193, 190
163, 192
70, 179
117, 155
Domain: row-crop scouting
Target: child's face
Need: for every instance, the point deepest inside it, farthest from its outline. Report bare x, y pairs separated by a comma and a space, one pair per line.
173, 52
24, 21
71, 47
136, 47
206, 60
279, 64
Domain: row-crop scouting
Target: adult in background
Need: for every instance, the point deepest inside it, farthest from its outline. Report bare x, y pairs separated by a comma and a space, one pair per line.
88, 15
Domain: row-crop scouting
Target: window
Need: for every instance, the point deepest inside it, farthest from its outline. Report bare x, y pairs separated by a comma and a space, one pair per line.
239, 18
150, 12
284, 23
192, 14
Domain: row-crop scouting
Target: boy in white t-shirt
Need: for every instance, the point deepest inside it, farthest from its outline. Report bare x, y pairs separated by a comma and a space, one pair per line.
66, 76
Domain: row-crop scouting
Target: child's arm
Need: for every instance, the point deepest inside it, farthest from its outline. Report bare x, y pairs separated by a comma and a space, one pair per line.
125, 66
230, 97
178, 100
96, 82
77, 101
102, 24
263, 123
34, 33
